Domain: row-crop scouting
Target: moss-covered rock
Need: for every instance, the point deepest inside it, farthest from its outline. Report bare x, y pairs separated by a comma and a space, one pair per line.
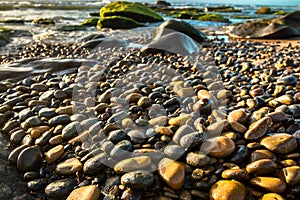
90, 22
280, 12
135, 11
213, 17
43, 21
263, 10
118, 22
242, 17
278, 28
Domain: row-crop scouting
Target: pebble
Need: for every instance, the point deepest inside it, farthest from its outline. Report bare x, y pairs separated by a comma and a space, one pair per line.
221, 147
33, 121
138, 180
262, 154
60, 188
280, 143
197, 159
95, 165
291, 175
237, 174
239, 115
182, 131
174, 151
90, 192
29, 159
60, 119
172, 172
133, 164
269, 184
54, 154
13, 156
70, 130
180, 120
287, 80
258, 129
47, 112
272, 196
228, 189
69, 166
261, 167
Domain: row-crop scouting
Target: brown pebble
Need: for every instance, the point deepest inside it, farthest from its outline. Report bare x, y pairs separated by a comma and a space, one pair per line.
227, 190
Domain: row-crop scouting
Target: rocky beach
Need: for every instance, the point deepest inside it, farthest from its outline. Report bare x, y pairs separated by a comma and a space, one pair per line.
153, 112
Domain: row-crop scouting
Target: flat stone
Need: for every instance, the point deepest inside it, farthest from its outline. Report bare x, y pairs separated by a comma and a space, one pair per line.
33, 121
29, 159
180, 120
197, 159
172, 172
236, 174
13, 156
70, 130
70, 166
54, 154
262, 154
239, 115
133, 164
269, 184
60, 119
258, 129
228, 189
174, 151
60, 188
47, 112
291, 175
95, 165
182, 131
287, 80
280, 143
138, 180
222, 146
17, 136
261, 167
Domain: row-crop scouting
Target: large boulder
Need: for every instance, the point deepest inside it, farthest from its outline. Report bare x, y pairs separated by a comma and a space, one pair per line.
132, 10
162, 3
263, 10
179, 26
175, 42
118, 22
279, 28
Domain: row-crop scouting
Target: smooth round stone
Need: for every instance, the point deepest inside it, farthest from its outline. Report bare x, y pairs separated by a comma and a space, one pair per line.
261, 167
37, 184
239, 115
33, 121
133, 164
144, 102
17, 136
95, 164
174, 151
237, 127
272, 196
197, 159
121, 149
13, 156
56, 140
59, 94
292, 175
222, 146
138, 180
158, 121
25, 114
137, 136
60, 119
70, 130
256, 92
237, 174
280, 143
67, 110
29, 159
192, 139
47, 112
287, 80
172, 172
105, 97
116, 136
60, 188
258, 129
277, 116
228, 189
182, 131
133, 97
54, 154
262, 154
90, 192
70, 166
285, 99
164, 130
39, 87
179, 120
269, 184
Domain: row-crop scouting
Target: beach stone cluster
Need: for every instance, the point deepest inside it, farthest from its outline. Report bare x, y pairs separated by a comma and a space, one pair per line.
155, 126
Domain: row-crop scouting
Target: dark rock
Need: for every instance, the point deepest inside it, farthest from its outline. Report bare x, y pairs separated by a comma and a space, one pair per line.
60, 188
138, 179
30, 159
95, 164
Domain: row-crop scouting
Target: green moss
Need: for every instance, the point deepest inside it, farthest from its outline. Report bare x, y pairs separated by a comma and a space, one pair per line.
90, 22
136, 11
118, 22
43, 21
280, 12
213, 17
242, 17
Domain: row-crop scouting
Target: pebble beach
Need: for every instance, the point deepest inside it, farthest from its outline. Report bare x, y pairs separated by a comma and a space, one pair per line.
126, 119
